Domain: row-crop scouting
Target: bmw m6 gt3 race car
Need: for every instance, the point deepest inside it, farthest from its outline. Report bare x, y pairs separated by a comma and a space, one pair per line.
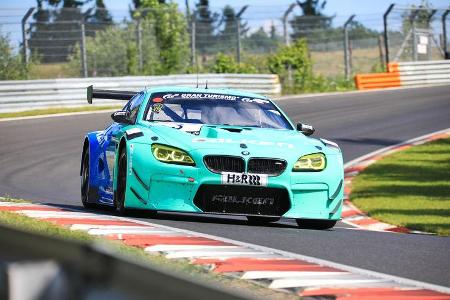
211, 151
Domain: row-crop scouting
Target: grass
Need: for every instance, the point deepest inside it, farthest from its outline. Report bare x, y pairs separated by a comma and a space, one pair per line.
51, 71
410, 188
139, 255
56, 110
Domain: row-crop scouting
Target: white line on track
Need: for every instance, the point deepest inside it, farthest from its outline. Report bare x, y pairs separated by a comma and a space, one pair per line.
173, 248
287, 274
280, 254
385, 149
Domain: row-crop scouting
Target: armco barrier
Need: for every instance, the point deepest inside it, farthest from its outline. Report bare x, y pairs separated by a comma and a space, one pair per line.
32, 94
377, 80
407, 74
34, 266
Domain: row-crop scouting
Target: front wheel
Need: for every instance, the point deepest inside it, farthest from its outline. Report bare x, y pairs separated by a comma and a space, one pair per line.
120, 193
257, 220
315, 224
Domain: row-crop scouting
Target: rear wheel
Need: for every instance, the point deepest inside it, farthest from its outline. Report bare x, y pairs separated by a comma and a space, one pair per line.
86, 190
315, 224
257, 220
120, 193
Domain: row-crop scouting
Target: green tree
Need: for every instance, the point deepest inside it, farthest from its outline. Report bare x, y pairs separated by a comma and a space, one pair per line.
11, 65
109, 55
170, 31
204, 27
56, 27
261, 42
227, 35
295, 56
311, 21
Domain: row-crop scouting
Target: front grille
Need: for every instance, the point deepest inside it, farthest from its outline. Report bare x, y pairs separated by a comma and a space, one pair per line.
223, 163
268, 166
242, 200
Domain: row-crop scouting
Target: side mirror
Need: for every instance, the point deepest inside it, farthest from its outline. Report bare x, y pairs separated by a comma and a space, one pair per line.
305, 129
121, 117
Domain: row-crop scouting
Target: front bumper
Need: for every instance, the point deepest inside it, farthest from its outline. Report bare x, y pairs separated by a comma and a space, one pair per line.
169, 187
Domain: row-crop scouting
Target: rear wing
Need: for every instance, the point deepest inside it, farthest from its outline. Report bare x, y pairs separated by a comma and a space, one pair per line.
108, 94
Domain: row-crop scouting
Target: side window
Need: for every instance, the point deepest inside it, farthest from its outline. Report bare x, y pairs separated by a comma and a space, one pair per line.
133, 106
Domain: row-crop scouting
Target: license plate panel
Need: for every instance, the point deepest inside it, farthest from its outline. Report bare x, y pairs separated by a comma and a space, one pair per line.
244, 179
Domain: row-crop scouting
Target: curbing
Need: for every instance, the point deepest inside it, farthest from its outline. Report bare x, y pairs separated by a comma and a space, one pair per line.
276, 269
350, 213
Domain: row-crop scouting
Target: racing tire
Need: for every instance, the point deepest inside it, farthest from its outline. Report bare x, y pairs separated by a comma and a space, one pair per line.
257, 220
315, 224
120, 193
86, 190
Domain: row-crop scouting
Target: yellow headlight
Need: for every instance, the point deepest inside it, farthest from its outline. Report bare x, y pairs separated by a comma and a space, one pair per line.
172, 155
310, 162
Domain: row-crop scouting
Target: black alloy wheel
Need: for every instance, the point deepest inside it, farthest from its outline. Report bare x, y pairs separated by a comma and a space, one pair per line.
85, 187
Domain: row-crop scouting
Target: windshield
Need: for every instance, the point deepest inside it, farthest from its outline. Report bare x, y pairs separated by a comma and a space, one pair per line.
214, 109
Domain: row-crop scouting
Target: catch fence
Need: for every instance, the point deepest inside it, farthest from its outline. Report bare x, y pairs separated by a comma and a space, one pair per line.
87, 43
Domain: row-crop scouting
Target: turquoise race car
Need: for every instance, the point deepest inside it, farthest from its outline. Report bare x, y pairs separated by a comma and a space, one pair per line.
211, 151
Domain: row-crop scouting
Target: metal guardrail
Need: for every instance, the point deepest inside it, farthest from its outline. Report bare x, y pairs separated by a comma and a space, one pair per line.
422, 72
32, 94
407, 74
34, 266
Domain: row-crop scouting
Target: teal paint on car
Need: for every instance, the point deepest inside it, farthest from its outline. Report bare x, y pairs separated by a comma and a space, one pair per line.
212, 151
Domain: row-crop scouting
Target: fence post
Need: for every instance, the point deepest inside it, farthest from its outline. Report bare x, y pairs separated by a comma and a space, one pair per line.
238, 33
238, 41
139, 43
346, 48
380, 50
193, 50
386, 36
83, 50
24, 35
414, 43
286, 40
285, 18
430, 34
444, 33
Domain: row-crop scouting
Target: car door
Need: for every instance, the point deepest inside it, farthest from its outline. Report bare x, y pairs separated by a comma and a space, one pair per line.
114, 133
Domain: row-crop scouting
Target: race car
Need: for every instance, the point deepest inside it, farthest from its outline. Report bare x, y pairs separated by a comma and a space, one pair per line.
215, 151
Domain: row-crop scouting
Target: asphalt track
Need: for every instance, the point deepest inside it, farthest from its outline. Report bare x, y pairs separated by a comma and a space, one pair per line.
39, 160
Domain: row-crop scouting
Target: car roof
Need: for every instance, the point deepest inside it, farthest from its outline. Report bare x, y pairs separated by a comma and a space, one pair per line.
224, 91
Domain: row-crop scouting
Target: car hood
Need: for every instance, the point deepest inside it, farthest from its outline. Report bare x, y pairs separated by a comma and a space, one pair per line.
235, 139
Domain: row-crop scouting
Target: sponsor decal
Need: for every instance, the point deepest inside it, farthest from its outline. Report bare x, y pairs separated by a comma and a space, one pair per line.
186, 127
244, 179
131, 159
170, 96
267, 201
156, 108
330, 143
133, 133
210, 96
250, 142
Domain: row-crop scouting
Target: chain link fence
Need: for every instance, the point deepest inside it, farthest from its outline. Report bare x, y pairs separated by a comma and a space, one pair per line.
83, 43
416, 33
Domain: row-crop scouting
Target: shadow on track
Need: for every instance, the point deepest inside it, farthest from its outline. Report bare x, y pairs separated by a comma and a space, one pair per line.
182, 217
368, 141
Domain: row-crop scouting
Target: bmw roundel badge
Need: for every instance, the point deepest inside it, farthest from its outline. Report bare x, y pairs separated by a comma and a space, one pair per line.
245, 153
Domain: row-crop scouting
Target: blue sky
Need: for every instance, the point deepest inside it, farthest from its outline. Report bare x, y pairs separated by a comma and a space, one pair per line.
260, 12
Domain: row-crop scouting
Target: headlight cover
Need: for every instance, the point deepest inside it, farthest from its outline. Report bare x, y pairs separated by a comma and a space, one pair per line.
171, 155
310, 163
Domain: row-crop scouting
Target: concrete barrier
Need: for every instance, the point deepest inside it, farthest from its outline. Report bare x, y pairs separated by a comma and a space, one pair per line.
32, 94
407, 74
